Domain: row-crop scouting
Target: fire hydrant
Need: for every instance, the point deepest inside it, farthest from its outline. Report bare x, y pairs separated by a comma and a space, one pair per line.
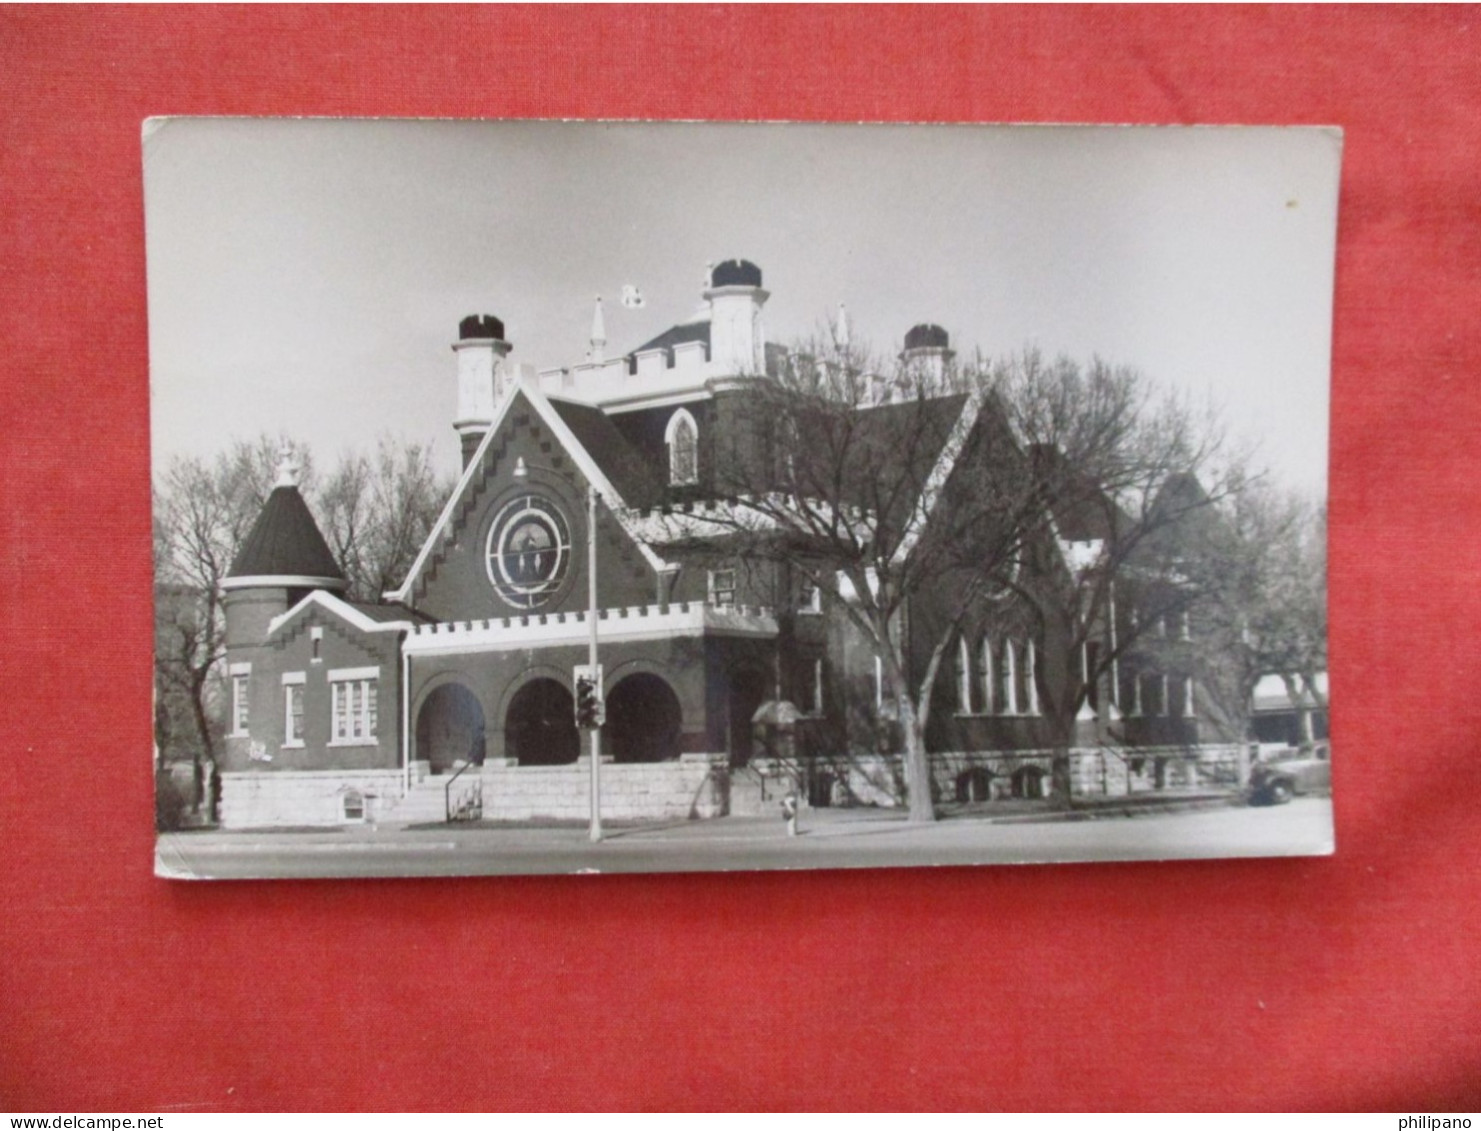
789, 813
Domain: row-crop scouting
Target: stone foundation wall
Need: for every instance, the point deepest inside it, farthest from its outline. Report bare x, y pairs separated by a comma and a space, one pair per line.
994, 775
692, 786
311, 797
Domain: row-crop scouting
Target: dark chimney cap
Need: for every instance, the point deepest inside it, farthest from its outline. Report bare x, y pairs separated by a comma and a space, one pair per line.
927, 335
735, 273
480, 326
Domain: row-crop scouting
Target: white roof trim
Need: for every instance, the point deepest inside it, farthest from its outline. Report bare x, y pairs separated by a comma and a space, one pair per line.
956, 440
579, 455
346, 612
282, 581
646, 622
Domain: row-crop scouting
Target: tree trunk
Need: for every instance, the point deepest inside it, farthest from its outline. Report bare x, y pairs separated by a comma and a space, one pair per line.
917, 765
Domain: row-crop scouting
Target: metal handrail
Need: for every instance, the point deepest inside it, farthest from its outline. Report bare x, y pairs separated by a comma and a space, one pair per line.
447, 790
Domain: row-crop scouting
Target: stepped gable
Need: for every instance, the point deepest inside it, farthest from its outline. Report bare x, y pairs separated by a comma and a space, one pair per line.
620, 462
286, 542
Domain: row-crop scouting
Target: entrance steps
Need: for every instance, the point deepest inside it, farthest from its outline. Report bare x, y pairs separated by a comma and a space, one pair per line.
426, 804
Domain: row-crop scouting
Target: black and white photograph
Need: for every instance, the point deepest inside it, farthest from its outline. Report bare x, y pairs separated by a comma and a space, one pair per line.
594, 497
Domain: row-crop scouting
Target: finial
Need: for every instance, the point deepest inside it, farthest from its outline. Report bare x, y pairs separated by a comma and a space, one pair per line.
840, 331
598, 333
287, 468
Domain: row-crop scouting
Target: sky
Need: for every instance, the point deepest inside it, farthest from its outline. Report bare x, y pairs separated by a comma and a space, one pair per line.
306, 276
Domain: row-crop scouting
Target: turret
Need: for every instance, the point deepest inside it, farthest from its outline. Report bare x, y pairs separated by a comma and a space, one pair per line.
482, 377
283, 558
737, 336
927, 354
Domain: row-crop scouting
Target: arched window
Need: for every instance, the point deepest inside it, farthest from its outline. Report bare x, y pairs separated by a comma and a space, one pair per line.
682, 438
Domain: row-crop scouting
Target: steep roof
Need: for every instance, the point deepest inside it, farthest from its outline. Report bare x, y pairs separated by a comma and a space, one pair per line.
286, 542
622, 464
389, 614
698, 331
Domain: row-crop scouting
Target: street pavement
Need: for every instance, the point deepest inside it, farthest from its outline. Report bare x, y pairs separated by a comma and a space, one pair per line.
828, 838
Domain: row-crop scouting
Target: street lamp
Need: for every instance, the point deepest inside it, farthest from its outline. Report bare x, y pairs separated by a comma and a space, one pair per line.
522, 471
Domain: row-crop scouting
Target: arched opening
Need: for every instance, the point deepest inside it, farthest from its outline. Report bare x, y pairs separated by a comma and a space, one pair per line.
450, 728
643, 720
540, 726
747, 693
682, 438
1030, 782
974, 784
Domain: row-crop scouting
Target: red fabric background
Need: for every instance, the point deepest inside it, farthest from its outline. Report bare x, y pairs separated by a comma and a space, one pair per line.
1345, 982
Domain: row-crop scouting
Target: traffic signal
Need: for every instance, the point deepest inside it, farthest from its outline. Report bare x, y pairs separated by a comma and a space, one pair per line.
588, 703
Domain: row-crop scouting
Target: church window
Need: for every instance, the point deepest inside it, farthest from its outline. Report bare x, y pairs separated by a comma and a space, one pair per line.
985, 675
1031, 677
293, 708
722, 587
241, 678
1009, 703
963, 676
1188, 701
878, 684
682, 439
816, 706
353, 695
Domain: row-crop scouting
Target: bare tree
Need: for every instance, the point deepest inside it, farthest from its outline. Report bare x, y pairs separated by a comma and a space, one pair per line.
915, 494
1270, 602
374, 512
202, 512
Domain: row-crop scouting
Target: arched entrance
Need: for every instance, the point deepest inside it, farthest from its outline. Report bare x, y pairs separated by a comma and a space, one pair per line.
540, 725
1030, 782
643, 720
748, 690
450, 728
974, 784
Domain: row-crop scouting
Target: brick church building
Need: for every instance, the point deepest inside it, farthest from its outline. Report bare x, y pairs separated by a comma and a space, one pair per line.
723, 679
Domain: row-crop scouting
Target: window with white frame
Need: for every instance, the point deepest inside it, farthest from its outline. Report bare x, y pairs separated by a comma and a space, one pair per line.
964, 679
241, 681
722, 587
293, 708
352, 706
985, 674
809, 597
1189, 710
682, 438
1009, 703
1031, 677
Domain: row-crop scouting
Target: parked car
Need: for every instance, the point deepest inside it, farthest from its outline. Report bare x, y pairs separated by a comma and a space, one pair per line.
1290, 772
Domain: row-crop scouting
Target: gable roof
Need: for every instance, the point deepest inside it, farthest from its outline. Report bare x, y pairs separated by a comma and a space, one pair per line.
592, 471
623, 464
285, 544
361, 614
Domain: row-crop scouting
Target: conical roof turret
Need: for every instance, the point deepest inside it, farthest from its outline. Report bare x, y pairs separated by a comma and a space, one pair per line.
285, 546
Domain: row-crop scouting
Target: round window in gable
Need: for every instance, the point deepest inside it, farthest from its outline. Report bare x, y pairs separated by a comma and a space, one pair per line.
529, 551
